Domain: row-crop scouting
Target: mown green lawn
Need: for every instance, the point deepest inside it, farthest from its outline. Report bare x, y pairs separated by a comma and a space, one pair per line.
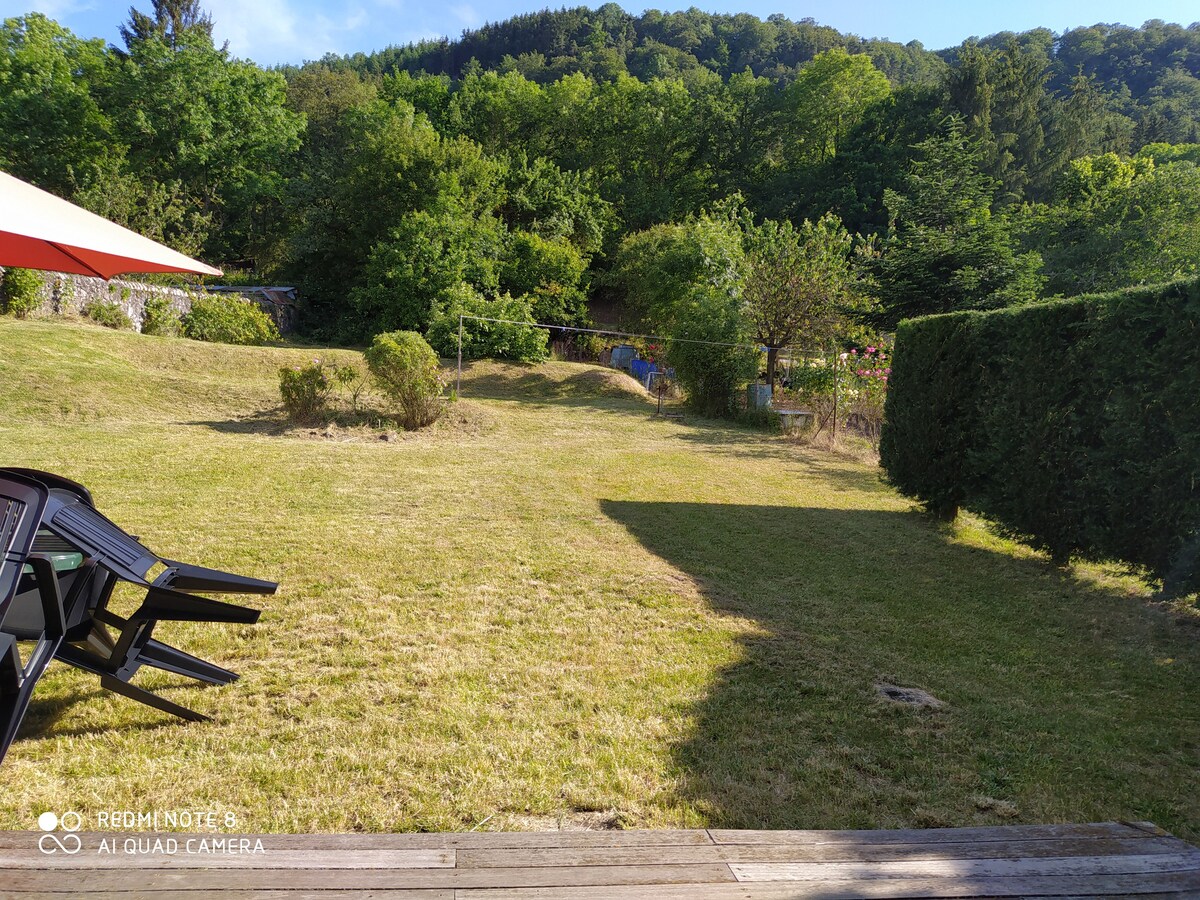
558, 608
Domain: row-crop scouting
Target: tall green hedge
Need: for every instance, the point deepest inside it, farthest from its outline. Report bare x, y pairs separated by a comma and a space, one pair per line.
1074, 424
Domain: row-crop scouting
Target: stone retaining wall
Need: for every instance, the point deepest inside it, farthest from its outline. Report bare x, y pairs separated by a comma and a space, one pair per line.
64, 294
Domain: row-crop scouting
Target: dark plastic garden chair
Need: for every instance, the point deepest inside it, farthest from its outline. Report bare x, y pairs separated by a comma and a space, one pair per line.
22, 505
89, 555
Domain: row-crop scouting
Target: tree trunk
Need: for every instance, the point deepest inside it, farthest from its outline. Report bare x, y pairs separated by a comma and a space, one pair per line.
772, 355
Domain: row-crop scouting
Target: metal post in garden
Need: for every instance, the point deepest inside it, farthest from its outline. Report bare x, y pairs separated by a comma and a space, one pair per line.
458, 383
837, 358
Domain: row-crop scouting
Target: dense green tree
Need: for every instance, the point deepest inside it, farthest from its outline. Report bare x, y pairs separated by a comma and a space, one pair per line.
684, 282
216, 126
827, 100
541, 198
739, 138
419, 265
490, 327
875, 157
53, 131
944, 249
176, 23
550, 273
1118, 222
1000, 95
391, 162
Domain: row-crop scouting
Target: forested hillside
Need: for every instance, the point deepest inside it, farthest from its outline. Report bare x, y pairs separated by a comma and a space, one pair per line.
525, 166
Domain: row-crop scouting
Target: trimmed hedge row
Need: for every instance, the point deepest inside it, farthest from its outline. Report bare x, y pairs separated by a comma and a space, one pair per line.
1074, 424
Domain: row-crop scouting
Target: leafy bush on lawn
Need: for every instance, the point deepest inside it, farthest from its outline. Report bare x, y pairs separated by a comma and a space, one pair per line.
227, 319
160, 317
110, 315
406, 369
22, 291
305, 390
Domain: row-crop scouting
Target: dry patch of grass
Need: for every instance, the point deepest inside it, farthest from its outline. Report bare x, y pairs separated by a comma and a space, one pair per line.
557, 609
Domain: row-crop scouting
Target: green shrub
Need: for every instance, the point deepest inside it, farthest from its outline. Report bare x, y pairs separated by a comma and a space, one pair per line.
305, 390
713, 373
1072, 424
22, 291
160, 317
110, 315
406, 369
712, 376
227, 319
488, 340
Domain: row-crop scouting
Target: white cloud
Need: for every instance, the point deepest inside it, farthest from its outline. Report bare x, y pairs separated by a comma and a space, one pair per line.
292, 31
274, 31
466, 14
57, 9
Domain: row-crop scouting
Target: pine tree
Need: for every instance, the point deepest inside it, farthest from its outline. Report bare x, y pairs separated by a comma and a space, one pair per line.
945, 250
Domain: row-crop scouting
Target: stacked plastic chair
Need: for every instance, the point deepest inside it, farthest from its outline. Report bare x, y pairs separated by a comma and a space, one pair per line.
62, 559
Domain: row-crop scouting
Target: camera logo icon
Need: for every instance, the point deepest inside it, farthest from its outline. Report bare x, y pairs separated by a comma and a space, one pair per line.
68, 843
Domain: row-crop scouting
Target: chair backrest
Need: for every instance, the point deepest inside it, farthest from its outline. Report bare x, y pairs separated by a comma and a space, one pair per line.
22, 504
83, 527
52, 481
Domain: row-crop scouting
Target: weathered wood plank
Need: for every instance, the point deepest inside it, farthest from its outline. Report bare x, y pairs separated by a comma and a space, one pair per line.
84, 882
270, 859
969, 868
133, 894
930, 835
19, 840
777, 853
891, 889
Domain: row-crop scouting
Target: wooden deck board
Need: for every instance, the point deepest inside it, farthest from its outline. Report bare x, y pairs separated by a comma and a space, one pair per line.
939, 835
491, 840
1100, 860
783, 853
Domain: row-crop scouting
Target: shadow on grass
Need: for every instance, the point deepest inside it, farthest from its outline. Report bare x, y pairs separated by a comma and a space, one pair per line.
44, 715
265, 421
1037, 673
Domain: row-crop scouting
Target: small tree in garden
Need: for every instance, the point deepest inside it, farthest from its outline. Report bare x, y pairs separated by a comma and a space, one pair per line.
684, 281
406, 369
798, 282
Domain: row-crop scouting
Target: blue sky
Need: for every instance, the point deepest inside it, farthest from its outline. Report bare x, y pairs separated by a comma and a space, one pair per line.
278, 31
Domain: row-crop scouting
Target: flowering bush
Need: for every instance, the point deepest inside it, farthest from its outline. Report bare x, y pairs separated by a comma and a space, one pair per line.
863, 389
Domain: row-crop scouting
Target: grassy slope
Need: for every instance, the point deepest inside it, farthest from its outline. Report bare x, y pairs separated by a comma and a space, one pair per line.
571, 606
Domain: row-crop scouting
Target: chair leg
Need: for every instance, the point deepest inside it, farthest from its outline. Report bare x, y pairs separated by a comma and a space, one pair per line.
172, 605
10, 665
163, 656
13, 706
186, 577
133, 692
14, 703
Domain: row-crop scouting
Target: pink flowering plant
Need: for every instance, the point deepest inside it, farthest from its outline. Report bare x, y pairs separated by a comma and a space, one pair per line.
863, 387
